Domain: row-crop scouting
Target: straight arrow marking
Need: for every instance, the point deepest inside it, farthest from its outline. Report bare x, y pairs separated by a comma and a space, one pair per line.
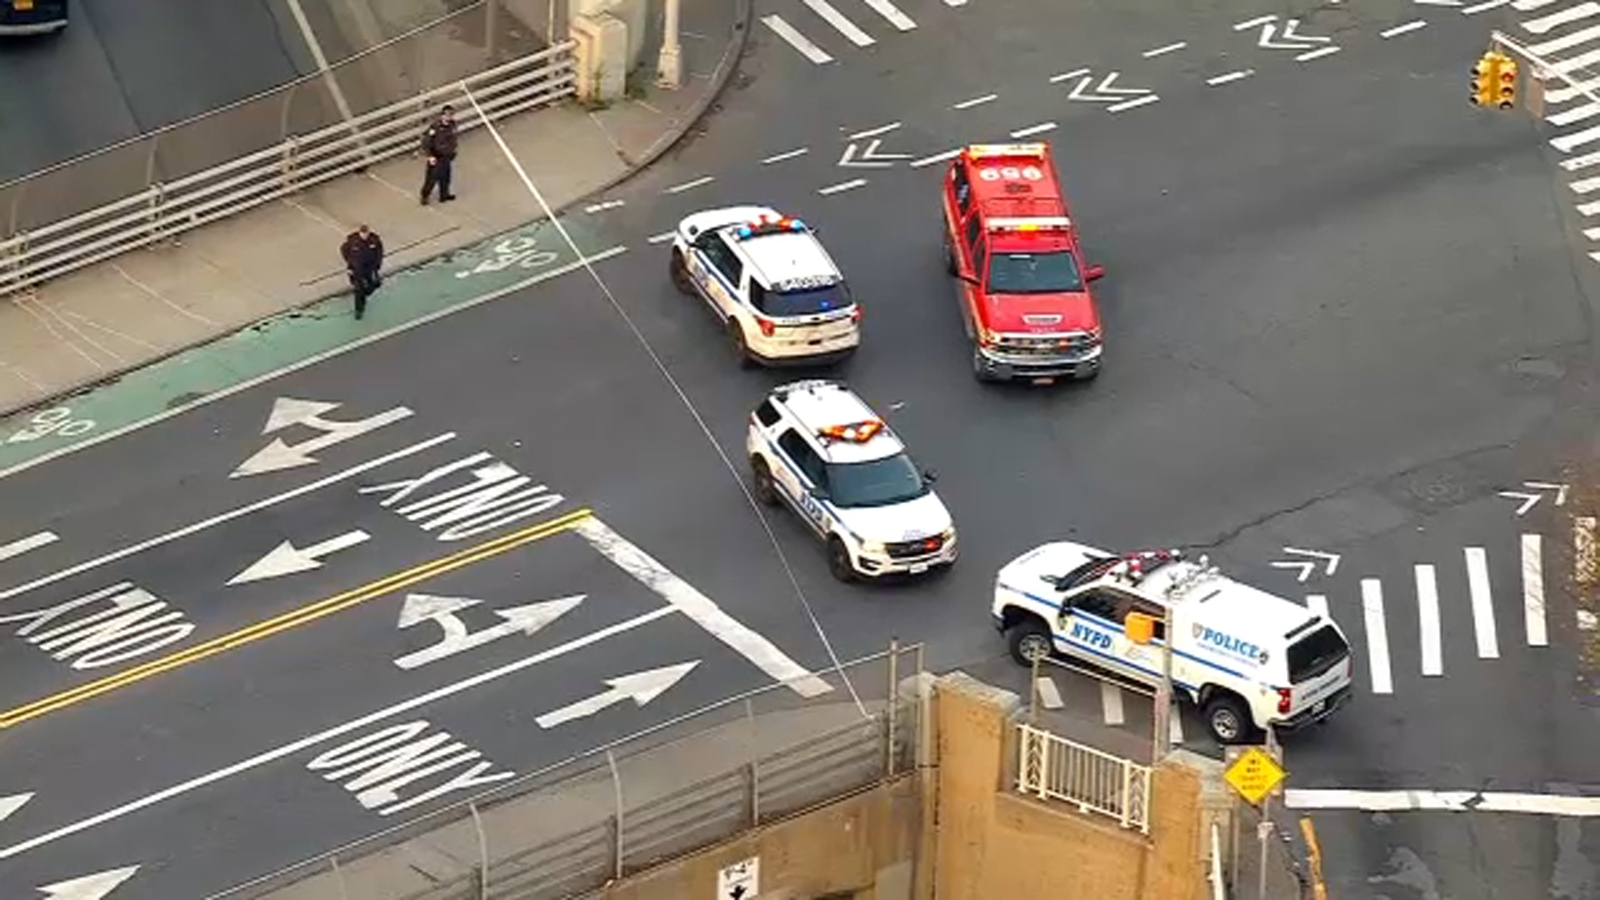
288, 411
287, 559
9, 805
1304, 567
527, 619
89, 887
640, 687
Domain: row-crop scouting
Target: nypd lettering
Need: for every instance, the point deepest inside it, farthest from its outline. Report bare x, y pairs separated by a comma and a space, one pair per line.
1093, 637
1227, 643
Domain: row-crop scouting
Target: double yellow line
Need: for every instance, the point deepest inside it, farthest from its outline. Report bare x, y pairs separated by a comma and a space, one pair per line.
292, 619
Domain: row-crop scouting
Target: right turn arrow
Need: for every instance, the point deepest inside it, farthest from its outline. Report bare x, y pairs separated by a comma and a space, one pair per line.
640, 687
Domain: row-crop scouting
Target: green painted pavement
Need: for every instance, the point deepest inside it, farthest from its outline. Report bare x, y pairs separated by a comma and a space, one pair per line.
296, 338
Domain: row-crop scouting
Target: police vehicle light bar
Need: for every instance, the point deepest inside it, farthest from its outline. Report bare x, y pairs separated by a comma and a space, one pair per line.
855, 432
1038, 223
982, 151
769, 225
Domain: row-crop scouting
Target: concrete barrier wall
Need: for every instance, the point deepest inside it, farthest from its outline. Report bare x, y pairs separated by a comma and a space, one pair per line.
982, 839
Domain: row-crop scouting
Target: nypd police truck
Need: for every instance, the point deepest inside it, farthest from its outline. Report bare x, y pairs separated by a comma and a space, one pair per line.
1247, 659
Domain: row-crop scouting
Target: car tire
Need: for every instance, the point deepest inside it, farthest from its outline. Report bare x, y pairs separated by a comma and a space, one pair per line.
678, 271
1228, 719
1028, 640
741, 348
766, 492
979, 370
840, 565
1090, 375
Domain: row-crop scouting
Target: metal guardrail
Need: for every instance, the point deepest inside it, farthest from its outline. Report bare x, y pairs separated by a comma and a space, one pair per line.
1054, 768
163, 211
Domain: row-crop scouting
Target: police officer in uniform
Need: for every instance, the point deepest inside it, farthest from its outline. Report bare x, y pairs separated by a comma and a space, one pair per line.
439, 146
363, 256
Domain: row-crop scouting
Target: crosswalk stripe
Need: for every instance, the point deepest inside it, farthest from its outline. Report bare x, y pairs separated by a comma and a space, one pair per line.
1111, 703
1317, 603
1569, 142
1566, 41
1048, 694
1377, 636
1533, 590
891, 12
1592, 234
1588, 209
1580, 162
1428, 621
1561, 17
1585, 186
1573, 64
1531, 5
1482, 603
1563, 94
837, 19
795, 39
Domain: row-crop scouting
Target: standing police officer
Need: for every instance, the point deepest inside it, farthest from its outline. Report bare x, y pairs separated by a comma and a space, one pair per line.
439, 146
363, 256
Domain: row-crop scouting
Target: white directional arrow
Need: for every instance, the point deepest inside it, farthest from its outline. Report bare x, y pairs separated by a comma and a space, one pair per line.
9, 805
870, 158
640, 687
1307, 566
526, 620
1287, 36
1104, 93
287, 559
287, 411
1538, 488
89, 887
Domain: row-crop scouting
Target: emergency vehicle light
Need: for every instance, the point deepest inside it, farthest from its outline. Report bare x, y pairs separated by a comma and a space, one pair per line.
1037, 223
982, 151
855, 432
769, 225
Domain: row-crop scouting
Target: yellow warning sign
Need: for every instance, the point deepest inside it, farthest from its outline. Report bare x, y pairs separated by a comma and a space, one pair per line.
1255, 774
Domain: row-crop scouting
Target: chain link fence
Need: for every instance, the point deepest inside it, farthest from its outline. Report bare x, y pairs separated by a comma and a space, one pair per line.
475, 37
694, 781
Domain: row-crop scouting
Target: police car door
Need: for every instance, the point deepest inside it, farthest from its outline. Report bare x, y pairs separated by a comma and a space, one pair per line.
802, 479
716, 269
1088, 627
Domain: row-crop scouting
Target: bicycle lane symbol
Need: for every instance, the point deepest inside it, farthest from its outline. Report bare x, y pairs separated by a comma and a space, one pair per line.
519, 251
54, 422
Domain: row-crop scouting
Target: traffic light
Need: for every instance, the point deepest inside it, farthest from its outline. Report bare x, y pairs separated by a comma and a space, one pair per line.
1505, 73
1483, 80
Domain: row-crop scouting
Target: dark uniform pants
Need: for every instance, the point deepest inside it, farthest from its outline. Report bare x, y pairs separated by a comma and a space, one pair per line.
362, 284
437, 174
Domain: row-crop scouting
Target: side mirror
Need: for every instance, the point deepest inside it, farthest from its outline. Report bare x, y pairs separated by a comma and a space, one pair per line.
1139, 628
1095, 272
930, 476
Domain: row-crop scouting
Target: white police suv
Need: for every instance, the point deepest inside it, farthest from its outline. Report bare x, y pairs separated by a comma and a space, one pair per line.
815, 446
770, 283
1246, 658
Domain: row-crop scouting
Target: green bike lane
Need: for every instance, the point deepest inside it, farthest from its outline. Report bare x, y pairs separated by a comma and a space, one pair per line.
297, 338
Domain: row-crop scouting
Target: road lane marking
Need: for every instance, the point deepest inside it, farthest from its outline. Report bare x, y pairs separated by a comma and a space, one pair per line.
28, 544
1448, 801
1428, 620
1377, 636
1049, 695
891, 12
842, 186
795, 39
1111, 703
1531, 5
292, 619
843, 25
700, 609
691, 185
1161, 51
780, 157
1482, 603
1403, 29
976, 101
874, 132
1533, 590
1487, 5
1068, 76
228, 516
1251, 23
604, 205
1316, 54
1032, 130
1230, 76
294, 747
1130, 104
1318, 604
1569, 142
1567, 117
661, 238
936, 158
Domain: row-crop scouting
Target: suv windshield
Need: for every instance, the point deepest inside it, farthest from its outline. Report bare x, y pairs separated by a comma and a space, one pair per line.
1315, 654
803, 302
1034, 273
882, 482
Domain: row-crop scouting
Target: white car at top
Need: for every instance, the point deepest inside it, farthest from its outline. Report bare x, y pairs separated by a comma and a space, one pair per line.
772, 286
819, 449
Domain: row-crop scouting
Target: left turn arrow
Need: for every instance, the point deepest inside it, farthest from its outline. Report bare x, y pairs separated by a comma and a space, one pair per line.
89, 887
287, 412
526, 619
287, 559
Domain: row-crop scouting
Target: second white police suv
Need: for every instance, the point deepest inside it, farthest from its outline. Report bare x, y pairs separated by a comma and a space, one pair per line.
766, 277
817, 447
1246, 658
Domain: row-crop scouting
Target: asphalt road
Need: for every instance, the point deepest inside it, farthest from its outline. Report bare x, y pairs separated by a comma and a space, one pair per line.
1343, 312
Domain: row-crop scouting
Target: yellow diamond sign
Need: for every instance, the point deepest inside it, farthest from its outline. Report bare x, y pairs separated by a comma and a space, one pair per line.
1254, 775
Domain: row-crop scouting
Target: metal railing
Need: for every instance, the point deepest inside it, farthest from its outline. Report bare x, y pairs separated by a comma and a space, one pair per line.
1053, 768
149, 190
570, 828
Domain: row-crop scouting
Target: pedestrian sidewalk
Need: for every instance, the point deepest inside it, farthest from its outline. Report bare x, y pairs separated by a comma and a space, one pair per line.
106, 320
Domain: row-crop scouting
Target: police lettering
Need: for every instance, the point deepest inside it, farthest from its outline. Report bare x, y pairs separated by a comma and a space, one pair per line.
1230, 644
1083, 634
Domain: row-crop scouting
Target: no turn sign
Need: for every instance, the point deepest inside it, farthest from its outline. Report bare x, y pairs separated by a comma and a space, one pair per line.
740, 881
